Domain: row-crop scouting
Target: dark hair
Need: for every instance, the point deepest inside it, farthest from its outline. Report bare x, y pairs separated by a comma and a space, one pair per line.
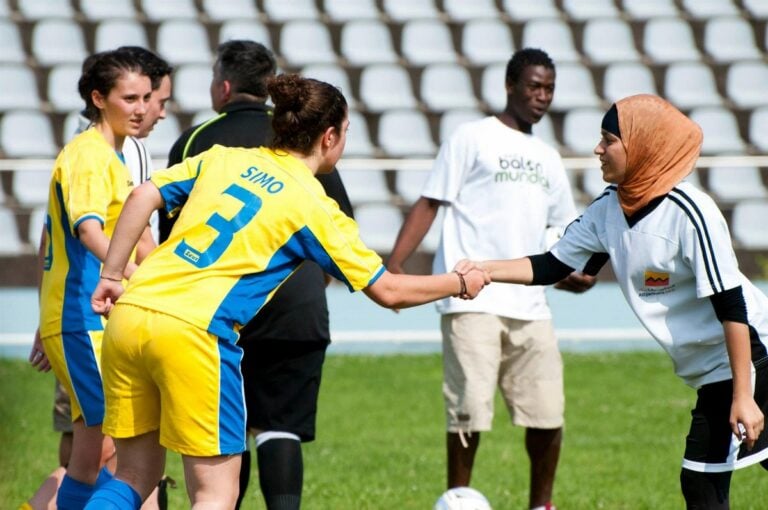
246, 65
304, 109
524, 58
151, 63
100, 73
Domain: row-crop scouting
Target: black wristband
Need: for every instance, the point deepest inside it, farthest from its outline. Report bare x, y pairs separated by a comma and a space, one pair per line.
111, 279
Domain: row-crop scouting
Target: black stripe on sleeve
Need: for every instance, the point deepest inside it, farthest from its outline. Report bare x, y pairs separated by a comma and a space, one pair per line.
705, 242
729, 305
547, 269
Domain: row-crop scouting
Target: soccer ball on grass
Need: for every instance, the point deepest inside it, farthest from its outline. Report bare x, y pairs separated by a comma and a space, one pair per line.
462, 498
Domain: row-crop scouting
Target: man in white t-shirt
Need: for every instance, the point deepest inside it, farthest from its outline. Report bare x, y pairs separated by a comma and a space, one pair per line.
501, 189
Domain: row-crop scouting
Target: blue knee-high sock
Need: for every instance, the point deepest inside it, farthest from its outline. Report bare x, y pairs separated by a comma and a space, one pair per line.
114, 495
73, 495
105, 475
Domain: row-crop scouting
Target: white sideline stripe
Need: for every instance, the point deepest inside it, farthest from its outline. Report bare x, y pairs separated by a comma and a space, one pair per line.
420, 336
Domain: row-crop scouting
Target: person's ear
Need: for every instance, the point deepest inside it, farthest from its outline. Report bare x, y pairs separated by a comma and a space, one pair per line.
97, 99
226, 90
330, 137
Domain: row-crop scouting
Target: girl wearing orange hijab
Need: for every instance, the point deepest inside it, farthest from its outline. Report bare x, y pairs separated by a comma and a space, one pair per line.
671, 252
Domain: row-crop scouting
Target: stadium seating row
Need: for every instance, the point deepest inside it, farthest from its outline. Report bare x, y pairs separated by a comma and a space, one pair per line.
421, 41
399, 10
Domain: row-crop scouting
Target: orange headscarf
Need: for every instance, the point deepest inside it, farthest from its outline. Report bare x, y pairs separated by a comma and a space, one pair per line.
662, 147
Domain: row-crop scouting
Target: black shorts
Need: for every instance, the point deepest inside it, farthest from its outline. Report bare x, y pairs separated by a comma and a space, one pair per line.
282, 382
710, 445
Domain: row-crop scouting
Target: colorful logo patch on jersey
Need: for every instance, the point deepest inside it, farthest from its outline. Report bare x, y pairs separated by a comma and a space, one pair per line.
656, 279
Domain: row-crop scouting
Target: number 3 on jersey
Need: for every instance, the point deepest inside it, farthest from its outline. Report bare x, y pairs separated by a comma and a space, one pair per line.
226, 229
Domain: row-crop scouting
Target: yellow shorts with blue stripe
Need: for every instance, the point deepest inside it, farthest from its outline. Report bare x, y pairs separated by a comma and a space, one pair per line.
74, 357
162, 373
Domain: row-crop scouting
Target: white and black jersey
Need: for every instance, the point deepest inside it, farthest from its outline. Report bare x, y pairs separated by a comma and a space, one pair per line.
667, 258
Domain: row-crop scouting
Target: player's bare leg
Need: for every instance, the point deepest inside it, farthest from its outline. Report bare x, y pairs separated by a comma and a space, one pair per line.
212, 482
461, 457
543, 447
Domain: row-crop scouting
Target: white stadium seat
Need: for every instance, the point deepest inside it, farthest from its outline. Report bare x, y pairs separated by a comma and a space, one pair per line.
245, 29
405, 133
609, 40
220, 11
39, 9
581, 129
358, 137
379, 225
365, 186
113, 33
668, 40
348, 10
27, 134
486, 41
62, 88
58, 41
728, 39
721, 131
305, 42
575, 87
758, 128
283, 11
750, 229
10, 243
706, 9
18, 88
524, 10
452, 119
582, 10
622, 80
10, 42
386, 86
366, 42
552, 34
462, 11
690, 85
30, 187
492, 86
168, 9
646, 9
99, 10
446, 86
404, 10
427, 42
732, 184
191, 87
747, 84
182, 41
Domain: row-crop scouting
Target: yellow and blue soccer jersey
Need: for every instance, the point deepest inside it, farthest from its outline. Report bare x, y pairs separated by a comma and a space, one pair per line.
250, 217
89, 181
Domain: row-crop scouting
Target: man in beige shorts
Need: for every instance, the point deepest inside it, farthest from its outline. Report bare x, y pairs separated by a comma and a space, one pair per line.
500, 189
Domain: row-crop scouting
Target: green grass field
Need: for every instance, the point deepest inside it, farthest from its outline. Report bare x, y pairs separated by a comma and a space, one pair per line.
380, 438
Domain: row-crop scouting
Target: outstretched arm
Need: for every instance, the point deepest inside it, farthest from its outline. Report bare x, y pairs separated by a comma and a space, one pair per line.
403, 291
415, 227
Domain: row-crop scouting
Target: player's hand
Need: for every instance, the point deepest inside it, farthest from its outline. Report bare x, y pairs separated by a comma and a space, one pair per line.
747, 421
475, 280
106, 294
37, 357
576, 282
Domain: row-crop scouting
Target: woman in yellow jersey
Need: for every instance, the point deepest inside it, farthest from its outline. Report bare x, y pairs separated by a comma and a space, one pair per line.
89, 185
250, 217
